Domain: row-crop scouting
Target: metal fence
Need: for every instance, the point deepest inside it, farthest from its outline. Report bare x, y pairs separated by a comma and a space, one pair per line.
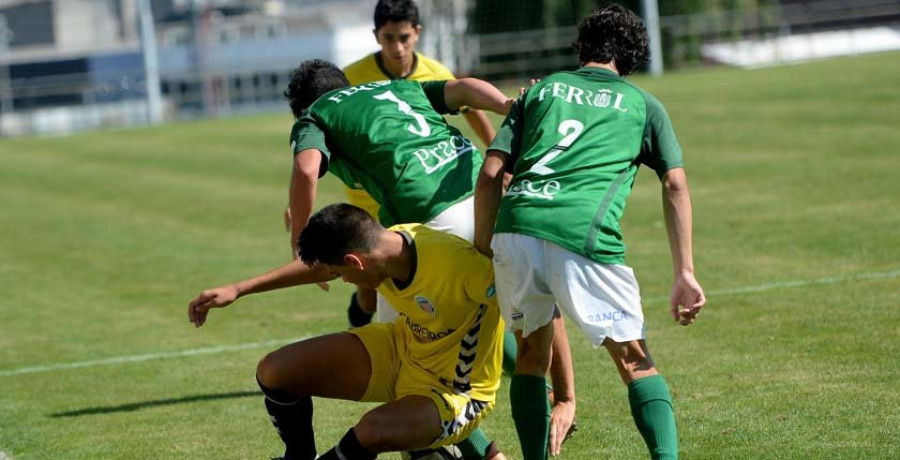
771, 35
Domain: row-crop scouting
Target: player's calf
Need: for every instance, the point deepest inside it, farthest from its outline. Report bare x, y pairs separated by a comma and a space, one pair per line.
291, 416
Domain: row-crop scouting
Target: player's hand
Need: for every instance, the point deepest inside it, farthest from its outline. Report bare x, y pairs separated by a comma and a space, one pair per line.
507, 106
211, 298
561, 419
687, 299
531, 83
484, 248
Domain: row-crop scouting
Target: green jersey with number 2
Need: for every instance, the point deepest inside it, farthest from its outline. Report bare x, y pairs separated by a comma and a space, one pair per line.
575, 142
389, 138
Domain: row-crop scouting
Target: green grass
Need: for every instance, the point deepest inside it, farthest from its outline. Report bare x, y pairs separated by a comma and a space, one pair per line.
104, 237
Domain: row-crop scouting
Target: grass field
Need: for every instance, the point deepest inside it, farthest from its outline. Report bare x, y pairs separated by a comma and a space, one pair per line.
795, 174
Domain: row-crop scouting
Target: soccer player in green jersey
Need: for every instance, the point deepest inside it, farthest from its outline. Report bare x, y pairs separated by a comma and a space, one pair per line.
574, 143
436, 368
389, 138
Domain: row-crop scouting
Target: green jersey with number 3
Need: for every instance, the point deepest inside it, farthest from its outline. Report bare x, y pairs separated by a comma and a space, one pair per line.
575, 141
389, 138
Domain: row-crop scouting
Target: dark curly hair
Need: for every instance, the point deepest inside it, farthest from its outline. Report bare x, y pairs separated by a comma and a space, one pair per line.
396, 11
310, 80
336, 230
613, 33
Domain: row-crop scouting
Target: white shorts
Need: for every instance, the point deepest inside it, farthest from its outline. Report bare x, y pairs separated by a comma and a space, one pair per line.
458, 220
531, 274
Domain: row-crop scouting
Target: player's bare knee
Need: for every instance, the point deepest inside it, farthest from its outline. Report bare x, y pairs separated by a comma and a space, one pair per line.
632, 358
374, 433
270, 371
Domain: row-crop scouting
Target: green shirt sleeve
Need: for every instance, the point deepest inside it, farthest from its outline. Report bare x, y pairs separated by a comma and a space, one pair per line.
509, 137
306, 134
434, 91
659, 147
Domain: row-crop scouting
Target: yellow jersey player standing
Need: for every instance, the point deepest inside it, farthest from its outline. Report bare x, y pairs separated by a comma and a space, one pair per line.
436, 368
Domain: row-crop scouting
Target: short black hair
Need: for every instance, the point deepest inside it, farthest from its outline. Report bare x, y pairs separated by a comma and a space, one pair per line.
310, 80
613, 33
336, 230
396, 11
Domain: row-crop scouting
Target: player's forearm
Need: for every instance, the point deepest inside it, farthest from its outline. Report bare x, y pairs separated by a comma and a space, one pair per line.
477, 94
678, 216
293, 273
302, 194
482, 126
562, 373
487, 199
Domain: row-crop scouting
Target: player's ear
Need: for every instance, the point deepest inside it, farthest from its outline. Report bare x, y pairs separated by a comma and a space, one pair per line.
418, 29
354, 260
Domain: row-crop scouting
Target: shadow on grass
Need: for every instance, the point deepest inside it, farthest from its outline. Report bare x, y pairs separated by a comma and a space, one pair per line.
159, 402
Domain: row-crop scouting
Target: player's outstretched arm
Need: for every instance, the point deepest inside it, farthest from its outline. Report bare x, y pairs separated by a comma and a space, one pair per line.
687, 296
291, 274
488, 191
477, 94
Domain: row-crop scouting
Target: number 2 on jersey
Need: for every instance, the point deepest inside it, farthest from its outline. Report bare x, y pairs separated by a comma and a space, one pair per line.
423, 129
570, 129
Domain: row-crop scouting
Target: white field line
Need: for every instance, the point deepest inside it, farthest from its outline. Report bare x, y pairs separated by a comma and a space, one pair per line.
4, 456
148, 357
269, 343
793, 284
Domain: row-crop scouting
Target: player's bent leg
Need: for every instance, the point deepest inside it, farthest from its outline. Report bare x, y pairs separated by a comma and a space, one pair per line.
648, 395
291, 375
528, 392
409, 423
308, 367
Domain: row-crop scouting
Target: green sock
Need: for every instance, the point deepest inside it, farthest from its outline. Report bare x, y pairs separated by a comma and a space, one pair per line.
651, 408
531, 414
474, 447
510, 351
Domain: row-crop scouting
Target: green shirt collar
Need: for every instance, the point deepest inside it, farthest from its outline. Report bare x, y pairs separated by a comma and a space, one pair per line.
598, 70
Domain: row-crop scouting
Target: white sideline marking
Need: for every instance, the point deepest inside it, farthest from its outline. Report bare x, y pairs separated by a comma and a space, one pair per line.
269, 343
4, 456
796, 283
147, 357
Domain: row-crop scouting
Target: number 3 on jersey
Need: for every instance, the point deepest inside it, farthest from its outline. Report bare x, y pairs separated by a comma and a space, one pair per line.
570, 129
422, 129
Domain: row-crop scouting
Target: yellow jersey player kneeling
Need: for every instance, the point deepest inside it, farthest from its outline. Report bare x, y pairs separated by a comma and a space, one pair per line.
436, 368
